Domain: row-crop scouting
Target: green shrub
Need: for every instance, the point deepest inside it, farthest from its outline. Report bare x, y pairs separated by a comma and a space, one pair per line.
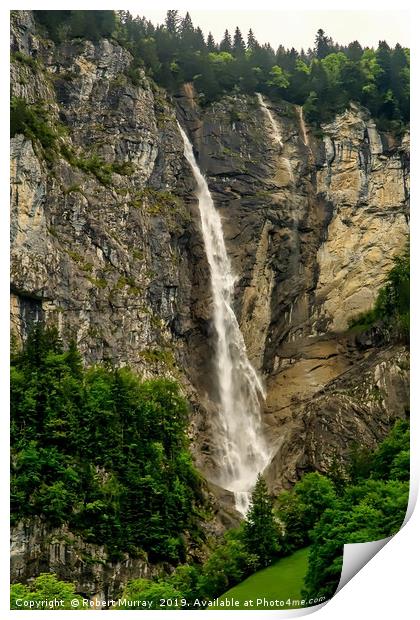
230, 563
37, 124
96, 166
392, 306
29, 61
45, 592
152, 592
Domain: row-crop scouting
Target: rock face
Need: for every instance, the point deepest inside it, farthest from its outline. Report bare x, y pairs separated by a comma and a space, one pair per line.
311, 229
37, 548
331, 396
106, 244
369, 188
104, 260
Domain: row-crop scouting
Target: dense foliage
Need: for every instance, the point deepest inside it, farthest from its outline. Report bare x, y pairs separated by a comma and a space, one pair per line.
323, 79
392, 306
367, 501
92, 25
229, 563
325, 513
101, 451
45, 592
254, 545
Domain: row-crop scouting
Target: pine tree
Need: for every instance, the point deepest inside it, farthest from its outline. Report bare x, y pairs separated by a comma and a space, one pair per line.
400, 80
172, 21
355, 51
261, 535
40, 342
74, 360
226, 43
383, 57
211, 43
290, 60
187, 34
238, 43
187, 25
302, 55
322, 44
252, 42
199, 40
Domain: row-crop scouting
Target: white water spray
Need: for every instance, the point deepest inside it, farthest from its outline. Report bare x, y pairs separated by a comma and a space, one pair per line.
276, 133
243, 449
302, 125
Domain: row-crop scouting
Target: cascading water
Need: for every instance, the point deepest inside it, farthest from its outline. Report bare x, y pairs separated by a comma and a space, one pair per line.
276, 136
243, 450
302, 125
276, 133
304, 132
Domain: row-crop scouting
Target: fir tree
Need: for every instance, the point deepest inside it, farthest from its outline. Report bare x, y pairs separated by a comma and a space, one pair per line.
261, 535
383, 57
251, 41
238, 43
186, 25
355, 51
189, 42
211, 43
199, 39
290, 60
172, 21
322, 44
226, 43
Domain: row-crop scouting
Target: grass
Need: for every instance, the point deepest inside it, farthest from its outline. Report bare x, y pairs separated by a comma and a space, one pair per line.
283, 581
25, 59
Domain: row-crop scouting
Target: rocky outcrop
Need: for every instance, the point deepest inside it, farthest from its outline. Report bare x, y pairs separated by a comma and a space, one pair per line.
339, 396
37, 548
367, 183
106, 244
102, 235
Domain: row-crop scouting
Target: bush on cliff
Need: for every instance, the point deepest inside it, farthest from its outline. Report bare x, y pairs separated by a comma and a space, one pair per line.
392, 305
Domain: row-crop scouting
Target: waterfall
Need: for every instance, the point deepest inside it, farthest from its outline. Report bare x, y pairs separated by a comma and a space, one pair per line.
276, 133
302, 124
276, 136
243, 449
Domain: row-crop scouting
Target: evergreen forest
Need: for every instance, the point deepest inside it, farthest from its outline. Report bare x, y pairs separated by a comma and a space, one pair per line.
323, 79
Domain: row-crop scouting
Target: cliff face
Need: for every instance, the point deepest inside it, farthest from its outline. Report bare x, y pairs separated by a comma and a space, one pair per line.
106, 244
311, 228
37, 548
108, 261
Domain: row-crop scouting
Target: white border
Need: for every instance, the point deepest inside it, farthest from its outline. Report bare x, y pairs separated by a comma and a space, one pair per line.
387, 586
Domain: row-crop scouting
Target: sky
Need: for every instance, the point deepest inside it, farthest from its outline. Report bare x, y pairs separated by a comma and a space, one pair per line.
298, 28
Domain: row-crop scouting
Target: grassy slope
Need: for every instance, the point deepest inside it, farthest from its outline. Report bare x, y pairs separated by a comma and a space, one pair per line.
281, 581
